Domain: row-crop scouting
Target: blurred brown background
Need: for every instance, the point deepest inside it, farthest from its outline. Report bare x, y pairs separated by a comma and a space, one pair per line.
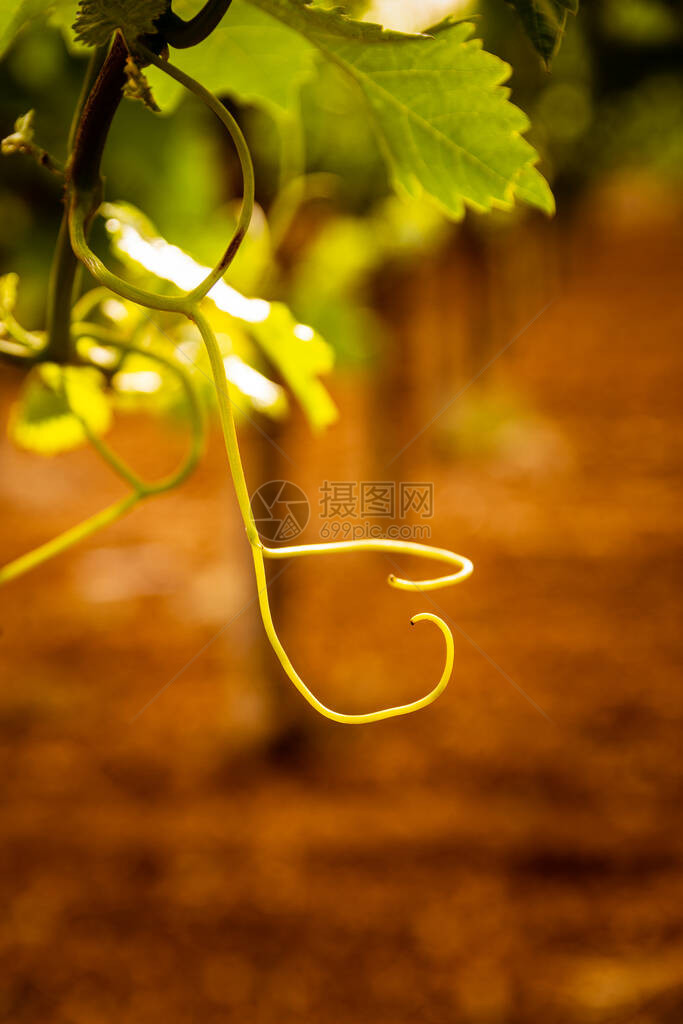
184, 840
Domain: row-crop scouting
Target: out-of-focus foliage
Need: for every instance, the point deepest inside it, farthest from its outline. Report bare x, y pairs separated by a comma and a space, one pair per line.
12, 335
301, 356
55, 406
331, 284
9, 284
613, 101
643, 127
642, 22
16, 16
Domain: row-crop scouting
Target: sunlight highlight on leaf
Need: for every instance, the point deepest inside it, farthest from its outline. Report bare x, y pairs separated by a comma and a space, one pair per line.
265, 395
299, 354
173, 264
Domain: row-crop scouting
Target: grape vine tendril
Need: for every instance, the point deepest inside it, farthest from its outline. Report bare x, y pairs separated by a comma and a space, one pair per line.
188, 304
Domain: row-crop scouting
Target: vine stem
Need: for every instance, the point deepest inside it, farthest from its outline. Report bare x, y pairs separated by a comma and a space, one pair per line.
99, 99
183, 34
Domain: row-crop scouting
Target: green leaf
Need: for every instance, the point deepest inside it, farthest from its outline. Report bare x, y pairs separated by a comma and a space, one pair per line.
544, 22
96, 20
445, 125
250, 56
54, 404
532, 188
